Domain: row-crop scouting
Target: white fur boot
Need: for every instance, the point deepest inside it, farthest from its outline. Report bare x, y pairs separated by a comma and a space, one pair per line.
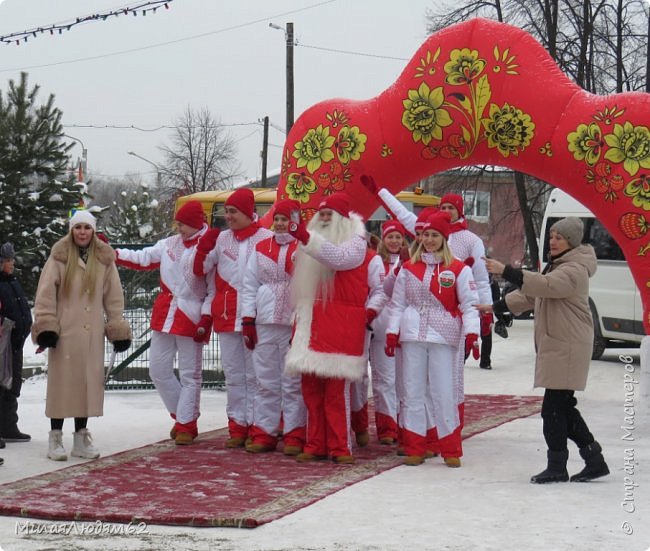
56, 451
83, 445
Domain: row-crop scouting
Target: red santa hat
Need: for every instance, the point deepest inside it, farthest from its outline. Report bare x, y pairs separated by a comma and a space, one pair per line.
243, 200
285, 207
191, 214
423, 216
440, 222
455, 200
390, 226
340, 202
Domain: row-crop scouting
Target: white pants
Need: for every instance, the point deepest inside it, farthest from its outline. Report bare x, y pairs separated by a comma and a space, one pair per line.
237, 364
383, 379
359, 393
180, 397
429, 378
277, 393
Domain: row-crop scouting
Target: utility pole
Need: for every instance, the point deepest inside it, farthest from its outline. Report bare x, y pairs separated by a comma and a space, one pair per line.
265, 149
289, 37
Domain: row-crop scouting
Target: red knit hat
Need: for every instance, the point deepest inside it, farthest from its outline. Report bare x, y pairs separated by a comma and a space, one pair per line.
191, 214
390, 226
455, 200
423, 216
285, 207
440, 221
340, 202
243, 200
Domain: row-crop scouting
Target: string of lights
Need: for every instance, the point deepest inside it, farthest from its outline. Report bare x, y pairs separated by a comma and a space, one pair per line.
57, 28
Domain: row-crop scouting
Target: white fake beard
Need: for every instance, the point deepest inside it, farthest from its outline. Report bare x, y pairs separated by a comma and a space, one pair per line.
310, 276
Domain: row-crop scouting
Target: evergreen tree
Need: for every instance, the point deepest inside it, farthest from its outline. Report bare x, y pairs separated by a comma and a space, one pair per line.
135, 218
36, 189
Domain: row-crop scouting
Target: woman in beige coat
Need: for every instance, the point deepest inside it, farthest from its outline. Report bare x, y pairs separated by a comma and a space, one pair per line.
78, 290
563, 341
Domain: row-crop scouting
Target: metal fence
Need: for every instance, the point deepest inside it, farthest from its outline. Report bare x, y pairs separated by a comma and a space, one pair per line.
130, 369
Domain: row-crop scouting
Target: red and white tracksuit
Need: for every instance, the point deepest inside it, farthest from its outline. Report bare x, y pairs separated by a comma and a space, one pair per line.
376, 301
329, 344
230, 256
432, 309
265, 297
467, 247
177, 310
384, 374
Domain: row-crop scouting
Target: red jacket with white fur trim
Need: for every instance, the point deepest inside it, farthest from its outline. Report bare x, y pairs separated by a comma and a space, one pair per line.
330, 336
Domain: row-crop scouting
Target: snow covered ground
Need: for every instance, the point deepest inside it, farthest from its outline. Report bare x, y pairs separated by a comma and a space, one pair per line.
488, 504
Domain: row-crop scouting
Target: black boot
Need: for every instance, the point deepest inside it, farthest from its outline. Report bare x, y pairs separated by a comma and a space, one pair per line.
9, 419
595, 465
556, 469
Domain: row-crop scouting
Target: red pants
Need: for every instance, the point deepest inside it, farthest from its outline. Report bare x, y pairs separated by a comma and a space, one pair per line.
328, 415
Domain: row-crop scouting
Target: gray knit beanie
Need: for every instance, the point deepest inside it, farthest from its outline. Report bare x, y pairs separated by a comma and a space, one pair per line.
571, 228
7, 251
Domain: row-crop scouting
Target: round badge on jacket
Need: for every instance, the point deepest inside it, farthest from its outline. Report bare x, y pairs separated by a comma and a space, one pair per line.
447, 279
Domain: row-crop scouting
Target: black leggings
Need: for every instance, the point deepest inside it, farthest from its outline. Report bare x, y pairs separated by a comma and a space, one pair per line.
79, 423
562, 420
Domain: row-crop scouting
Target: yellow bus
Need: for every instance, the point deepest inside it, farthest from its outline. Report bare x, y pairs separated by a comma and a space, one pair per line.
213, 202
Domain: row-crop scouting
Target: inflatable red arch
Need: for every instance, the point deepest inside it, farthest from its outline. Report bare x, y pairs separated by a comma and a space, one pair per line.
483, 92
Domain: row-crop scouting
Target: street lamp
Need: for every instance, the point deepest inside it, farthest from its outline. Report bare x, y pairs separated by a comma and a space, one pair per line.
84, 153
288, 35
158, 178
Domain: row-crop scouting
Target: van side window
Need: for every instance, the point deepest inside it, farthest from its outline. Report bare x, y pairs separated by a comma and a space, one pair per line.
603, 243
596, 235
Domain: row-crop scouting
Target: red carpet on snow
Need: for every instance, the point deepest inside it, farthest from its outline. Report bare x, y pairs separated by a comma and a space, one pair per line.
207, 485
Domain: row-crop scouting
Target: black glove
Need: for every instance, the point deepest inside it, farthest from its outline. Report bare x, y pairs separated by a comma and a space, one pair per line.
121, 346
500, 329
47, 339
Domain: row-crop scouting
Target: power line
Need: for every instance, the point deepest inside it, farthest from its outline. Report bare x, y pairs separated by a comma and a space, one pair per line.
156, 128
350, 52
169, 42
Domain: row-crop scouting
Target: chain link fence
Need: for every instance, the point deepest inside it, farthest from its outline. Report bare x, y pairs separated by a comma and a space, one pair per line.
130, 369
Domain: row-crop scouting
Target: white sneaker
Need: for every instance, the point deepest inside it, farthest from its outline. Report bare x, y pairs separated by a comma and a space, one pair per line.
56, 451
83, 445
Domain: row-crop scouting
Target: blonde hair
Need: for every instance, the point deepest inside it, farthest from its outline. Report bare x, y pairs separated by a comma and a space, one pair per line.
72, 266
444, 253
384, 253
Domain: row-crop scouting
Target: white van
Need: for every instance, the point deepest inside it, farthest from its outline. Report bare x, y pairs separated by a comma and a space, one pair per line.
614, 298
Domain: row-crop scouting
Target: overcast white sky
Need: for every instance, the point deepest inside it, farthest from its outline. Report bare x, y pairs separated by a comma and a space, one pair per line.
144, 71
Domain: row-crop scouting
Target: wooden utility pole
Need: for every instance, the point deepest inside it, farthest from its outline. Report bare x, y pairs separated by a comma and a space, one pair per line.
265, 149
289, 38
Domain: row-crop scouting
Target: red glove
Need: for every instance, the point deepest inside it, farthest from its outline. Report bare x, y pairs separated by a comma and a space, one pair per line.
206, 243
471, 345
487, 320
203, 328
299, 231
208, 240
469, 261
249, 332
392, 341
369, 183
370, 316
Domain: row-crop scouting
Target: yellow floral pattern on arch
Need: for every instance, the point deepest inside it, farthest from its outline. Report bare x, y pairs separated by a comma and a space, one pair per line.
314, 148
300, 186
423, 113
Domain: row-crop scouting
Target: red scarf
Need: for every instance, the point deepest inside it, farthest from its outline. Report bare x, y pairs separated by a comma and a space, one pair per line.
458, 225
248, 231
